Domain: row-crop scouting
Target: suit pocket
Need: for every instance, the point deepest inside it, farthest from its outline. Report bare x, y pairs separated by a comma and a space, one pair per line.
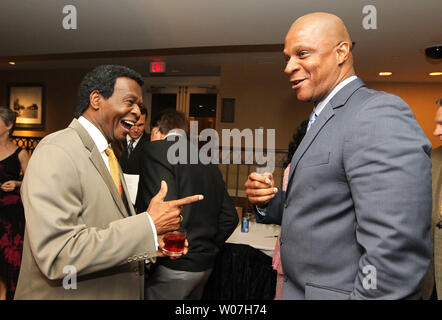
315, 160
317, 292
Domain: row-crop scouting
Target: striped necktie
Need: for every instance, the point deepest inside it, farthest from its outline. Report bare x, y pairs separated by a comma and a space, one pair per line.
312, 119
130, 147
114, 169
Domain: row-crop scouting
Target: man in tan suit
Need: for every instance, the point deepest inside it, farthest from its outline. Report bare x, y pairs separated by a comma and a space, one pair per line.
83, 239
432, 284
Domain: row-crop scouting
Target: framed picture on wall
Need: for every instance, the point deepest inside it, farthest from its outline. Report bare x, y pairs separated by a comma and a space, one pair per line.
228, 110
27, 100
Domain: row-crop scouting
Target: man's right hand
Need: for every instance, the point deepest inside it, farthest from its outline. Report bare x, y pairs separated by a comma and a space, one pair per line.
166, 214
260, 188
162, 254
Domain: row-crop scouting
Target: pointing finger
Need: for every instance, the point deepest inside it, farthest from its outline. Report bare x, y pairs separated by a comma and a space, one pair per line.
187, 200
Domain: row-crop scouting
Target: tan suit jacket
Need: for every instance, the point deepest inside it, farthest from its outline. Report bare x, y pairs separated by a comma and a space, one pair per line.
75, 217
435, 272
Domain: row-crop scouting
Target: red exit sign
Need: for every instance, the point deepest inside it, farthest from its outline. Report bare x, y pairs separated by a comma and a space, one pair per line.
157, 67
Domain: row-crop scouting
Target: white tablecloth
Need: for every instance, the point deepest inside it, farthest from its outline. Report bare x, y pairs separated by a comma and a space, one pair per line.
260, 236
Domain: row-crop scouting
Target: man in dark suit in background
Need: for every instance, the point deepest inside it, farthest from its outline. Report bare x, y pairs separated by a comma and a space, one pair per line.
130, 160
130, 153
208, 223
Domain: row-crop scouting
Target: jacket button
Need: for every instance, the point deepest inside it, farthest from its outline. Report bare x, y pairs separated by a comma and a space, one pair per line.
286, 204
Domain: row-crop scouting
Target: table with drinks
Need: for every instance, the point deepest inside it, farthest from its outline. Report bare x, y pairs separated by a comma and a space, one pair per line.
257, 235
243, 269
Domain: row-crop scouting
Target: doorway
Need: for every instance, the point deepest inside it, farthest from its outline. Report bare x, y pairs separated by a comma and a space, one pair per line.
196, 97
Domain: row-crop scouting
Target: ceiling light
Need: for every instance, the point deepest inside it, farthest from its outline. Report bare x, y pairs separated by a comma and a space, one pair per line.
12, 63
385, 73
435, 74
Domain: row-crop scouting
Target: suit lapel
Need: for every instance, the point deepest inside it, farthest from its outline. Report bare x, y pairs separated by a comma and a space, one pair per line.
99, 164
309, 137
340, 98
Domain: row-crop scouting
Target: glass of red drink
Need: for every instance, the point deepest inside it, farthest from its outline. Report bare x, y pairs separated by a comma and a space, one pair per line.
174, 243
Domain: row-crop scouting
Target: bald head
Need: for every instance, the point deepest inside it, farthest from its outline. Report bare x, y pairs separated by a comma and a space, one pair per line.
322, 25
317, 49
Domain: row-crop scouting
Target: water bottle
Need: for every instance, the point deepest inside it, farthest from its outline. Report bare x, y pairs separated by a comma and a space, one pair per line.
245, 222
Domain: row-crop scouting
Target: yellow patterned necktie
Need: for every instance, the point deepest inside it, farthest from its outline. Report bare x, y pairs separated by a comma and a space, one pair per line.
114, 169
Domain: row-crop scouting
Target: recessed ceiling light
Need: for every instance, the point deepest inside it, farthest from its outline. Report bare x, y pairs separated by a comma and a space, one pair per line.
435, 74
385, 73
12, 63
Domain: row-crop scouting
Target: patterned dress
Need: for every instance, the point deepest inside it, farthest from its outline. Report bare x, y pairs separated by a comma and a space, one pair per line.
12, 224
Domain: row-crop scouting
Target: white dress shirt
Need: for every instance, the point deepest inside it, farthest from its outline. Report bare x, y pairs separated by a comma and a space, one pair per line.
335, 90
99, 140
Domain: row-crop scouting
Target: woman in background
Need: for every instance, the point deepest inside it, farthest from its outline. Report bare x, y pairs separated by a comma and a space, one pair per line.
13, 161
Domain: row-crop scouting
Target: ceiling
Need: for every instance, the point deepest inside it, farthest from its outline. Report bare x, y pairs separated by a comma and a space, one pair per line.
195, 37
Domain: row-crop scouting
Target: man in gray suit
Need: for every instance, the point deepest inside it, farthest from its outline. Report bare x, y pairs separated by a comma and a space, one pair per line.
356, 214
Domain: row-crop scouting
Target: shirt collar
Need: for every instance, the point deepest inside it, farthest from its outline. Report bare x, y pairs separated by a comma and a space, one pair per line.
96, 135
173, 132
336, 89
128, 138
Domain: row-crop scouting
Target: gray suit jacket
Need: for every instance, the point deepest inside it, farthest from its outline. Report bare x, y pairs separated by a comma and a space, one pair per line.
357, 211
75, 217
